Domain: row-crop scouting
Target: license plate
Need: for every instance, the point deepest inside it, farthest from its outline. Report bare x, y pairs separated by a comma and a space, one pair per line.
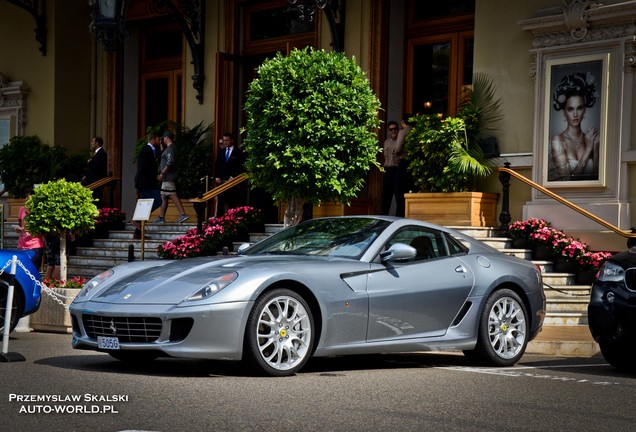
108, 343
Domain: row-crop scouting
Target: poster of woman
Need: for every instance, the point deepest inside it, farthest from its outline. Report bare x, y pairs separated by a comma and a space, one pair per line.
575, 124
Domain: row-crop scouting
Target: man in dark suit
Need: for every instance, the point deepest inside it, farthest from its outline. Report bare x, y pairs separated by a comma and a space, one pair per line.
229, 164
97, 169
146, 181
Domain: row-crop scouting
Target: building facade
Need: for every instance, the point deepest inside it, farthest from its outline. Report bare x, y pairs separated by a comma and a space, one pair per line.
191, 62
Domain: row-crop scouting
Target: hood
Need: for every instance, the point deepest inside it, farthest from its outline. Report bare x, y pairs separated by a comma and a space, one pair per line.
173, 282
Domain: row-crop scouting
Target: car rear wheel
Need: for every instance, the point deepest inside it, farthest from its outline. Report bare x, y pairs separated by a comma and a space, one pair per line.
16, 309
279, 333
621, 355
502, 334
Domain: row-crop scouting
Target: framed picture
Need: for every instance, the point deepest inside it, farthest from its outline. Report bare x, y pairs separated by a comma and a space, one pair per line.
7, 128
575, 121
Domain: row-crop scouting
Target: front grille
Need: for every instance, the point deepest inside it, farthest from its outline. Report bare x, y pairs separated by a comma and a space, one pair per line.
630, 279
127, 329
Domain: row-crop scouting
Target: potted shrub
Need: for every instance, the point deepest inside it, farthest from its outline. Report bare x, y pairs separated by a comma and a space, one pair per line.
445, 159
312, 120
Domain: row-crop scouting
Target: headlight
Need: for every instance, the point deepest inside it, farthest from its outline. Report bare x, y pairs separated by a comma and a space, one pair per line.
92, 284
213, 287
611, 272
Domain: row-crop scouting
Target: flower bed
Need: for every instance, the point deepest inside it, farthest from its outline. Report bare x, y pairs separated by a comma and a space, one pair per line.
110, 217
539, 234
217, 232
75, 282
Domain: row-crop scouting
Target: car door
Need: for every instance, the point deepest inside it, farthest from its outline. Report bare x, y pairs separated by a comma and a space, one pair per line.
421, 297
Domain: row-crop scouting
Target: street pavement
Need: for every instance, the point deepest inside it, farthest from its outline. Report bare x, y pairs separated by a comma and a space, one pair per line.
57, 388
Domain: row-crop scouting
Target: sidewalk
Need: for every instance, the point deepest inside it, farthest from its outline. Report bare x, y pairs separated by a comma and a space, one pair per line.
565, 341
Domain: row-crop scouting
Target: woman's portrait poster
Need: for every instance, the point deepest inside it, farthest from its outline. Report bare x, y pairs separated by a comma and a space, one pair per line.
575, 122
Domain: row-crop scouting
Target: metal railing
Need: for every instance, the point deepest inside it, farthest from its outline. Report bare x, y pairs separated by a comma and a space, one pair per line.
505, 173
109, 181
200, 203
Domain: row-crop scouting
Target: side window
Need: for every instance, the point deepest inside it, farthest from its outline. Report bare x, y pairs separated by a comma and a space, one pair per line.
429, 244
455, 247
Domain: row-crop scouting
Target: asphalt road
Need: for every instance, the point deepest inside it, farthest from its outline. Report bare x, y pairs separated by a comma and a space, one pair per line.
59, 389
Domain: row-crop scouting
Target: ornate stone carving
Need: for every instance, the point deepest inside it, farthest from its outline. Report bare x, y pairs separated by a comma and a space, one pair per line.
13, 101
582, 21
576, 18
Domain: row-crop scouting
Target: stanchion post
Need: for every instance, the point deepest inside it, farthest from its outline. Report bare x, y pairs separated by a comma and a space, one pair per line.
6, 356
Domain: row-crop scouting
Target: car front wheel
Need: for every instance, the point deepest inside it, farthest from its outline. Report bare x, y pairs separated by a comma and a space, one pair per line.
502, 334
279, 333
621, 355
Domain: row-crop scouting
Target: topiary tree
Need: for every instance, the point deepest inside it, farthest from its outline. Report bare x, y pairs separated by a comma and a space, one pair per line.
311, 129
60, 207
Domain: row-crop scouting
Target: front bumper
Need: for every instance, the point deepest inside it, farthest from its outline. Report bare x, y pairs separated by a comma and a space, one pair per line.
209, 332
612, 318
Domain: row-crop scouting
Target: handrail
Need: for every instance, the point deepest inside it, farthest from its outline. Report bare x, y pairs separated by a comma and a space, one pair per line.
220, 189
200, 202
101, 182
565, 202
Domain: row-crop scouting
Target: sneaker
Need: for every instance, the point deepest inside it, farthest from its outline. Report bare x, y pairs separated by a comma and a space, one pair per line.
183, 218
159, 220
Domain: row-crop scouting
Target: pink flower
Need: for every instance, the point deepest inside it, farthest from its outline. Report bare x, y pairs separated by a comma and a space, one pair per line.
215, 232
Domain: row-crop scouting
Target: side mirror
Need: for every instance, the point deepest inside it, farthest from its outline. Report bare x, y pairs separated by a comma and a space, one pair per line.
398, 252
242, 248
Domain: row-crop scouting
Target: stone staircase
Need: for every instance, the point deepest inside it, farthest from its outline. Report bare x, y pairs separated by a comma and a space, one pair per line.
566, 301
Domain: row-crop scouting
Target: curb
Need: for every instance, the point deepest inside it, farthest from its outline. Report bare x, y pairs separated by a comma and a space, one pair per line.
565, 341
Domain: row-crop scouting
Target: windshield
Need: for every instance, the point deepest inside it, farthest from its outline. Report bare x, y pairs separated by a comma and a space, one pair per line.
341, 237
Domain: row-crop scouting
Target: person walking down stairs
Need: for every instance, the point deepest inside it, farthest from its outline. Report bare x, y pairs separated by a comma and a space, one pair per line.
168, 178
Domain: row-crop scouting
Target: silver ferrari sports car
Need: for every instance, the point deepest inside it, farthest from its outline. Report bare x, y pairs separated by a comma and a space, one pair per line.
325, 287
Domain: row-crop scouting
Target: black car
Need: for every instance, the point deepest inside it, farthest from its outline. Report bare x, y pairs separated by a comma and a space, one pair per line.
612, 310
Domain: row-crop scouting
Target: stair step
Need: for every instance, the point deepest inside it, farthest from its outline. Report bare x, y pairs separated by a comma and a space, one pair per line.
566, 319
519, 253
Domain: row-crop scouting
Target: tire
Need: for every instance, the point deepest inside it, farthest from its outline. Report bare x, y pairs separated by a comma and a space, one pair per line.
17, 308
134, 356
503, 329
279, 333
621, 355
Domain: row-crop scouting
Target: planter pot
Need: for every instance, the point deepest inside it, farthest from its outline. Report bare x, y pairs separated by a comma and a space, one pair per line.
542, 253
585, 277
358, 206
14, 208
52, 316
562, 265
99, 232
521, 243
116, 226
453, 208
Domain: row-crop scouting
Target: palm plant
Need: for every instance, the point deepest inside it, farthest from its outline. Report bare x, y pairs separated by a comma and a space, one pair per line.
446, 155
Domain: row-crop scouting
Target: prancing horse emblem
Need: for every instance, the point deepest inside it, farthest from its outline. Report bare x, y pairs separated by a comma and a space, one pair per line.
113, 328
